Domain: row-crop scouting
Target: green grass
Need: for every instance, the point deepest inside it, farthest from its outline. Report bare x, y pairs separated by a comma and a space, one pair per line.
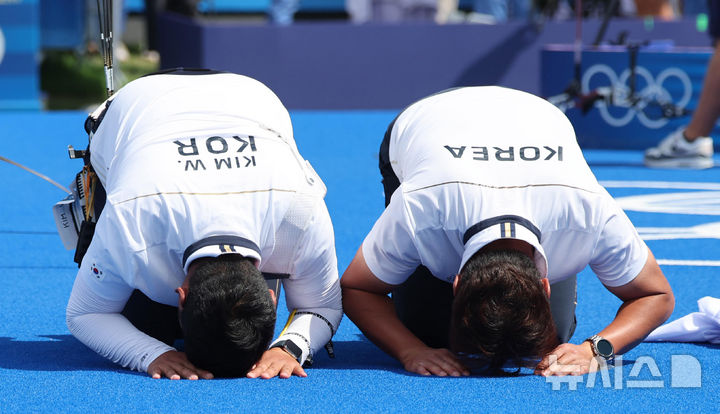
71, 80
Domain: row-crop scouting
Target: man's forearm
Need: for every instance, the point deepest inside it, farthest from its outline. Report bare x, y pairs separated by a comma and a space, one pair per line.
96, 322
311, 328
647, 302
114, 337
636, 318
375, 315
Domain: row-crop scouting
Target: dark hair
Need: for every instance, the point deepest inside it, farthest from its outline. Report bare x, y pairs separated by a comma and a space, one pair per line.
228, 318
501, 312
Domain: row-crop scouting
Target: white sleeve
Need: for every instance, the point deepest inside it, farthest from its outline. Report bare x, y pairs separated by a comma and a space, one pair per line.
313, 290
389, 249
93, 314
620, 252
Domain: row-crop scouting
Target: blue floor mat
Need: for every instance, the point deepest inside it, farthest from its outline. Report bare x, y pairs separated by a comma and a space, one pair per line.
43, 368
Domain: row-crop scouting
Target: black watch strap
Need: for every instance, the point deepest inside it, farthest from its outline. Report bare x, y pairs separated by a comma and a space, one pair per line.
290, 347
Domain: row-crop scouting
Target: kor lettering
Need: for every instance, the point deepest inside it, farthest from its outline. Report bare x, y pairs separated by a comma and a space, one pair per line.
215, 145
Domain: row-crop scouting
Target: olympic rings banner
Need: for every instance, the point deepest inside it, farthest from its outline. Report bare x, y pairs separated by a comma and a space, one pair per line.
632, 102
19, 54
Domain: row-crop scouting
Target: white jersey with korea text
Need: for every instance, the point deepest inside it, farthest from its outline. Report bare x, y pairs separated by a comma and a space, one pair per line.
184, 158
473, 153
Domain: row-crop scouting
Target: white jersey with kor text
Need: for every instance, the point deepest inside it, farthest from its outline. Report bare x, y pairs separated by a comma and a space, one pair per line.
193, 166
481, 163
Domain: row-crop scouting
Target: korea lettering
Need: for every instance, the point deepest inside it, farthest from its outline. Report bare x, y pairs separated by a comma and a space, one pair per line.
528, 153
217, 152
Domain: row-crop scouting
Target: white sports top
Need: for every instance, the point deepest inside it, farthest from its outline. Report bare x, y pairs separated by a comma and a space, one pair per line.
193, 166
478, 164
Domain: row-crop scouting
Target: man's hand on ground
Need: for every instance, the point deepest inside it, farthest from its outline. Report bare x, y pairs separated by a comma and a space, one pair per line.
275, 362
568, 359
431, 361
175, 365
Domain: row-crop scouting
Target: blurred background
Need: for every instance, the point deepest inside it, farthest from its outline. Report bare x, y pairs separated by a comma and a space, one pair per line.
379, 54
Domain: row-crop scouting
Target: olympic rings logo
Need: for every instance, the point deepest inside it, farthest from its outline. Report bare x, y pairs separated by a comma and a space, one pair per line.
672, 85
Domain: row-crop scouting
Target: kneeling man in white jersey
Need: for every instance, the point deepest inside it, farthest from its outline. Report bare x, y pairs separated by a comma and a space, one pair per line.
206, 195
491, 211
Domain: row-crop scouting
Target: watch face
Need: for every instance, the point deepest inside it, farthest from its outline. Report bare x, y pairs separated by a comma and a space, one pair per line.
604, 347
292, 349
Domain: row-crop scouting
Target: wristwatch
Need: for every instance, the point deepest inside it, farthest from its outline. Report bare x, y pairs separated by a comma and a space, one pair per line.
602, 347
289, 347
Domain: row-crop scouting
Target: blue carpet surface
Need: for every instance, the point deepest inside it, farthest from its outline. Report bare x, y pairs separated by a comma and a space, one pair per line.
43, 368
